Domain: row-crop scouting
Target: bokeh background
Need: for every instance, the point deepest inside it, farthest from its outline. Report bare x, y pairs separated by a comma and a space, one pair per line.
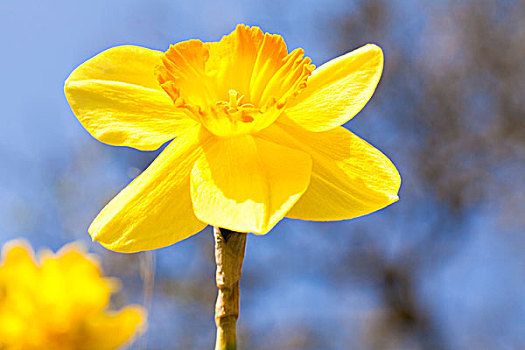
443, 268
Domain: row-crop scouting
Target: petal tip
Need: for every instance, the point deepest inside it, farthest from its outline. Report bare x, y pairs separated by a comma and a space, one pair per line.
376, 51
373, 46
19, 243
93, 233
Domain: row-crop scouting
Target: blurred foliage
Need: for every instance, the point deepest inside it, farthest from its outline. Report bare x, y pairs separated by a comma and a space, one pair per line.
458, 95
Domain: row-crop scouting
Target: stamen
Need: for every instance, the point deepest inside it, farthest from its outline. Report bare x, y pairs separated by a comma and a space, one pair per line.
239, 100
233, 98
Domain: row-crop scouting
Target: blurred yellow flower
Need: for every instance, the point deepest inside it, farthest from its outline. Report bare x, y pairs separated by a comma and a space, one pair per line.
257, 131
58, 302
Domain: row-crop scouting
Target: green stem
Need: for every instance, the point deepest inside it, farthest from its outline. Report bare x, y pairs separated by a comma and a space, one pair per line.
229, 256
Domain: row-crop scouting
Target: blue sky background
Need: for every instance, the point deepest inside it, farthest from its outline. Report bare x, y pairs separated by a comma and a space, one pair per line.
54, 178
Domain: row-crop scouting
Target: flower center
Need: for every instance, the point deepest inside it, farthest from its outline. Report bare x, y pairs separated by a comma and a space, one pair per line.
237, 116
237, 86
235, 109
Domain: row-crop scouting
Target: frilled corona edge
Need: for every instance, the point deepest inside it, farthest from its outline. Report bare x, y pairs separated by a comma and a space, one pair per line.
256, 136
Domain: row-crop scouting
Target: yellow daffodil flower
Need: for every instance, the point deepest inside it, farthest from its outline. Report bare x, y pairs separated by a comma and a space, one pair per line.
58, 302
257, 134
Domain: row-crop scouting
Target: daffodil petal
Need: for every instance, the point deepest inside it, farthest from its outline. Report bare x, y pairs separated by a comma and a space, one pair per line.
62, 303
18, 260
117, 98
92, 292
155, 210
350, 177
337, 90
112, 330
247, 184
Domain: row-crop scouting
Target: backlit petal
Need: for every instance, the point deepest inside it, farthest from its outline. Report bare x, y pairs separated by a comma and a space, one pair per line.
117, 98
247, 184
337, 90
350, 178
155, 210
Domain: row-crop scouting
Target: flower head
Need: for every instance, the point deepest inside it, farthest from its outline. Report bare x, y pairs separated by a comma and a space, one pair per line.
257, 136
58, 302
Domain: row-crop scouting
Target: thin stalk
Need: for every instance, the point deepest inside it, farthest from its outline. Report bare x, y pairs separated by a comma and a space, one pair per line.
147, 274
229, 256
